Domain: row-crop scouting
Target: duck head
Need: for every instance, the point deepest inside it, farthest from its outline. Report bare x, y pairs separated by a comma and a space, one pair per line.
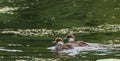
70, 38
58, 40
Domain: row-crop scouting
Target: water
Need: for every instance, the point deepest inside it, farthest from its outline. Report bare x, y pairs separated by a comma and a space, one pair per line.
17, 47
51, 32
35, 48
109, 59
93, 50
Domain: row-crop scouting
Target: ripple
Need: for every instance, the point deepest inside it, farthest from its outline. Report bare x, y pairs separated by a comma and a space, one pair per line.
111, 59
39, 59
100, 50
43, 32
11, 50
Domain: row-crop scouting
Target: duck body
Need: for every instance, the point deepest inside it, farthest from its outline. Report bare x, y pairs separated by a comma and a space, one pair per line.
60, 46
71, 41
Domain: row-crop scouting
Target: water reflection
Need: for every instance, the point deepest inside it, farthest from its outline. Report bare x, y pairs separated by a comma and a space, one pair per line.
111, 59
43, 32
22, 49
10, 50
39, 59
96, 49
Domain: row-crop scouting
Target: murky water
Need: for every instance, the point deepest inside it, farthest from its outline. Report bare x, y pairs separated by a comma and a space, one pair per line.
51, 32
14, 47
28, 49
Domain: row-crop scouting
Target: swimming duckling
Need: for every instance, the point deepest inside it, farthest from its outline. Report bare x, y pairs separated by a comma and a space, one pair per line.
71, 41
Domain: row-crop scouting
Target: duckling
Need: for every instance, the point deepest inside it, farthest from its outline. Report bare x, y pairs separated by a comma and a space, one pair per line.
71, 41
60, 46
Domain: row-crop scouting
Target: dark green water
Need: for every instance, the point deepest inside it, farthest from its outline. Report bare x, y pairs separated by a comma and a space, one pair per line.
28, 48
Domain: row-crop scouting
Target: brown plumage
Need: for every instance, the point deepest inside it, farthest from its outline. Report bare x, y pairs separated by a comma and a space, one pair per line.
71, 41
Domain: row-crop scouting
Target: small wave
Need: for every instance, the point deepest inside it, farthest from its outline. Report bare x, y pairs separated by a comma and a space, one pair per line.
39, 59
92, 47
10, 50
111, 59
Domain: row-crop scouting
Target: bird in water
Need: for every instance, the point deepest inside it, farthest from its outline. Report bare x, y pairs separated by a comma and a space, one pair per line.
60, 46
71, 41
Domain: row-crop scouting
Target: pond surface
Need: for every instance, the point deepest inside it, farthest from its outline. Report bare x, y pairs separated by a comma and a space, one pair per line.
35, 48
17, 46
